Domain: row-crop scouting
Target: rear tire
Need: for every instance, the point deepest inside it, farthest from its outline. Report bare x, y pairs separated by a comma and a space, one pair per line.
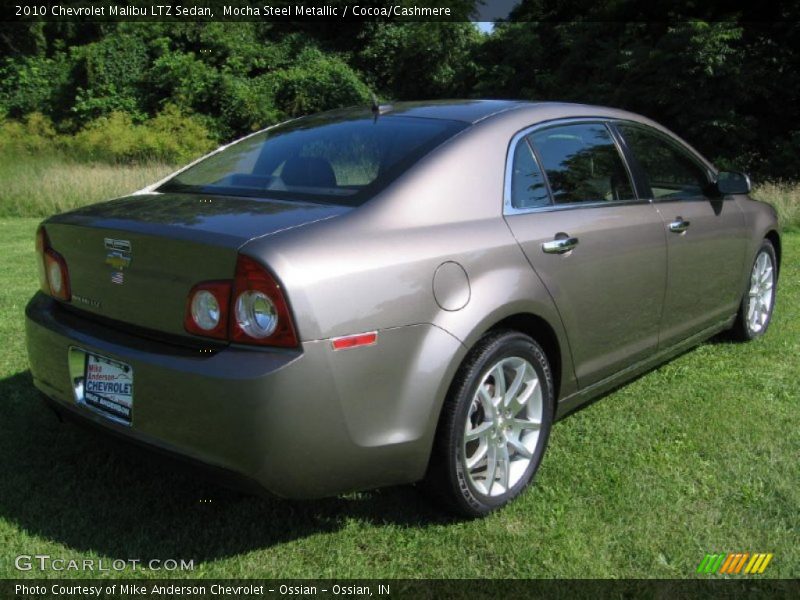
494, 425
758, 301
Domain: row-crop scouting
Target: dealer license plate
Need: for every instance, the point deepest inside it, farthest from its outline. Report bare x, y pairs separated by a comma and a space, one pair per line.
108, 387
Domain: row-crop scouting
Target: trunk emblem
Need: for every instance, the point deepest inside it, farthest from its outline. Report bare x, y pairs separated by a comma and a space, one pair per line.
118, 258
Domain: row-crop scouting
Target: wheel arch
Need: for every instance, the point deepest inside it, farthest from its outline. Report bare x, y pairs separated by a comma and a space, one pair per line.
775, 240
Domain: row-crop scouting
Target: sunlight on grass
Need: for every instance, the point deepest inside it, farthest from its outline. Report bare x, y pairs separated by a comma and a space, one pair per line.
39, 187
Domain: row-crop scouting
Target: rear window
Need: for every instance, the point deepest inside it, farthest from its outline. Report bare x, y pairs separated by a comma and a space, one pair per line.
318, 159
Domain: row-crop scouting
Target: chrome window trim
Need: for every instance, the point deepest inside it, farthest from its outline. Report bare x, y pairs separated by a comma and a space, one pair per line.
510, 209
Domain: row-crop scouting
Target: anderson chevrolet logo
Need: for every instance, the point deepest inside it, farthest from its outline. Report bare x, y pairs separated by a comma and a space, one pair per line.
735, 563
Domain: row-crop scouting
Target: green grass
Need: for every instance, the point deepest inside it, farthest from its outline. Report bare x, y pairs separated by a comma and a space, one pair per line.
698, 456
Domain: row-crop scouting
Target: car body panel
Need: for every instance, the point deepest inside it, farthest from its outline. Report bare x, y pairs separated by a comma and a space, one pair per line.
609, 290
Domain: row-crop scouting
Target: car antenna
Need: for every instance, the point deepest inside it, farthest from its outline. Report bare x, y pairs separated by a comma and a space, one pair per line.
376, 108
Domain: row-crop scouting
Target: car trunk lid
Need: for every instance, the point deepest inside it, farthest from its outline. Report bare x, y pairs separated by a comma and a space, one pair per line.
135, 259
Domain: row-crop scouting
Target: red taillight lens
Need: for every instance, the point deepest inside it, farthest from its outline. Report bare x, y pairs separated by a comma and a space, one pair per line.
260, 313
53, 272
207, 309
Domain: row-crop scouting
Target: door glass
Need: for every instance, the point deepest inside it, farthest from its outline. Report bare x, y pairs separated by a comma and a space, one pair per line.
528, 189
582, 164
672, 173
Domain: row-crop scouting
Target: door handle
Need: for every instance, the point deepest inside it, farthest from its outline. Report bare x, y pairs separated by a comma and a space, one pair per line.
560, 245
679, 225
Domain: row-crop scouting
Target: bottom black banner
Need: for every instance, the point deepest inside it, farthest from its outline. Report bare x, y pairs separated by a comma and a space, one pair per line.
397, 589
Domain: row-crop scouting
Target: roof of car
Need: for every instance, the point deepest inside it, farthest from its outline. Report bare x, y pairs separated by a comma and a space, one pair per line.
470, 111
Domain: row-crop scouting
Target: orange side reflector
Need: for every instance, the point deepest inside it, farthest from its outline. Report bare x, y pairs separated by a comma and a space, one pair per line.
351, 341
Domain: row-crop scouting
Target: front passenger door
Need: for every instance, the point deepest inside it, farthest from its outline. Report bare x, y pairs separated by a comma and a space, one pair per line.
706, 238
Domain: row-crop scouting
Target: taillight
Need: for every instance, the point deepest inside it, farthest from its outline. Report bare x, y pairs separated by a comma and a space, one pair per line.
250, 310
207, 309
260, 314
53, 272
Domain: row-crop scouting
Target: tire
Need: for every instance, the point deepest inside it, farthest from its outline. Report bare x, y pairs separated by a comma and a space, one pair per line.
460, 475
758, 300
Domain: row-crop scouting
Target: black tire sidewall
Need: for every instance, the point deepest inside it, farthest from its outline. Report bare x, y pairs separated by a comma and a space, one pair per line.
503, 346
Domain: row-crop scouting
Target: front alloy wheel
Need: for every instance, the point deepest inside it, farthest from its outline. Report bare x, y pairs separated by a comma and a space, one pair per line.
755, 312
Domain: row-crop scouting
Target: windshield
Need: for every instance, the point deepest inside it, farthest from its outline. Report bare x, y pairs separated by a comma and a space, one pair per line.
317, 159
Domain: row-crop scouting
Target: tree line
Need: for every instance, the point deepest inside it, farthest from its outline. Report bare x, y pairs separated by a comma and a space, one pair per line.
728, 83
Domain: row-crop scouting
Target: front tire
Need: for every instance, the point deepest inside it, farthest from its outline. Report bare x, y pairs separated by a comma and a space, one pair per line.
494, 425
755, 310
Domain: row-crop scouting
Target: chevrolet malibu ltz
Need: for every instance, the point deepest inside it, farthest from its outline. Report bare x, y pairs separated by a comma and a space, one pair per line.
396, 294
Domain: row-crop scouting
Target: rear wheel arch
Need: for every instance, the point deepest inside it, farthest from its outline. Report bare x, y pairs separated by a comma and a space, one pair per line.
543, 333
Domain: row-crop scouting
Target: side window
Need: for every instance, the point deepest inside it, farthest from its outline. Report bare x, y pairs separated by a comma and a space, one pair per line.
528, 189
672, 173
582, 164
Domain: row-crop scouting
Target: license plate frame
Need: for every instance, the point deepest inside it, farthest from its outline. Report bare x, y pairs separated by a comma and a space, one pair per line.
107, 387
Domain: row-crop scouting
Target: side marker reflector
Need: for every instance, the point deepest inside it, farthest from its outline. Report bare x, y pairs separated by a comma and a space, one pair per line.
352, 341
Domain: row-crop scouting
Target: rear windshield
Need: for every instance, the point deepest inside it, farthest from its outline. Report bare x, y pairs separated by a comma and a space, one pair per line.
317, 159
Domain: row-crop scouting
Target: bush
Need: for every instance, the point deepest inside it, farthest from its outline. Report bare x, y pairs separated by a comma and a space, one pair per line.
318, 82
170, 137
34, 134
35, 84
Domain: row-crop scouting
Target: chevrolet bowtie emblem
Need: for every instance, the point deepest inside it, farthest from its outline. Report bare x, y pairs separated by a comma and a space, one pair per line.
118, 260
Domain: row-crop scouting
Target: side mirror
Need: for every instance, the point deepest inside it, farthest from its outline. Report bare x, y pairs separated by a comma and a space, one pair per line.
731, 183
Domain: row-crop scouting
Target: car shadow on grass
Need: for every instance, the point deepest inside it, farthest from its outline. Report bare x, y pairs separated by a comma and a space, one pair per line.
90, 492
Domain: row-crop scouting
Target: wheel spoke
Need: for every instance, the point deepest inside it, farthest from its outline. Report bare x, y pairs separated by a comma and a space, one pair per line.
506, 472
478, 432
499, 381
491, 468
523, 424
520, 448
516, 384
479, 455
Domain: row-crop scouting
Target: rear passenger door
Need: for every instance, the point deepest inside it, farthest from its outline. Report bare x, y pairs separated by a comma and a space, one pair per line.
599, 250
706, 238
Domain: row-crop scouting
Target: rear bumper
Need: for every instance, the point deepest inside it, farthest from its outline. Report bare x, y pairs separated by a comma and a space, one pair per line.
302, 423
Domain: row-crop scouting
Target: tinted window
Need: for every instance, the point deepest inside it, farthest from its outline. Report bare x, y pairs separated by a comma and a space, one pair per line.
528, 189
671, 171
322, 158
582, 164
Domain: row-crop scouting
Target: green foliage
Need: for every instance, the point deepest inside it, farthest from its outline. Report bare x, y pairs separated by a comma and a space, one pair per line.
34, 84
35, 134
416, 61
317, 82
170, 137
729, 86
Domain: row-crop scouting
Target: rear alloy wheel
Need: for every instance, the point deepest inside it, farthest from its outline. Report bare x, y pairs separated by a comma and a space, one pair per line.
494, 425
755, 312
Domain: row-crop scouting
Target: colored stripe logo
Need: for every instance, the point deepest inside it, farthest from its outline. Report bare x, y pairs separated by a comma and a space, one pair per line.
735, 563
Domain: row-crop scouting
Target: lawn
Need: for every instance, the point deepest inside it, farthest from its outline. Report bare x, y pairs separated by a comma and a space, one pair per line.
698, 456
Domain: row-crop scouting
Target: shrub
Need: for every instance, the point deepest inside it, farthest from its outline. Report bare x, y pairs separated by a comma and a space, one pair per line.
35, 84
318, 82
34, 134
170, 137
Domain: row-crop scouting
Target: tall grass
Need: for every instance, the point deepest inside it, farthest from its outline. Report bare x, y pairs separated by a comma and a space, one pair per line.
785, 197
45, 185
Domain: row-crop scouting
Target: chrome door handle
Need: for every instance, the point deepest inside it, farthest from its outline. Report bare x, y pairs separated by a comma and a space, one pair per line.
679, 225
560, 245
